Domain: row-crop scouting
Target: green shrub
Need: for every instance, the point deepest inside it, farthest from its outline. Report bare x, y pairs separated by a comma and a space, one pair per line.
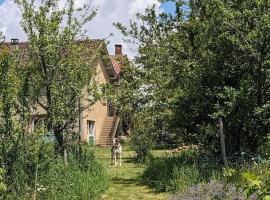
259, 185
141, 140
142, 145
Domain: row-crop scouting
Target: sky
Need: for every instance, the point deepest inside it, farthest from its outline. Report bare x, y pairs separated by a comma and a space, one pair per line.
109, 11
167, 7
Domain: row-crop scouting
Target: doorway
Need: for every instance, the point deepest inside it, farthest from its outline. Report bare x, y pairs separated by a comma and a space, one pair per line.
91, 130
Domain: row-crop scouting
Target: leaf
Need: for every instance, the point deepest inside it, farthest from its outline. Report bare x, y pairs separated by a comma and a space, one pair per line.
249, 176
267, 197
255, 183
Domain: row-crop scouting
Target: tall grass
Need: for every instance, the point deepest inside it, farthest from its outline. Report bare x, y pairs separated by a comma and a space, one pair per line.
50, 178
192, 171
82, 178
177, 173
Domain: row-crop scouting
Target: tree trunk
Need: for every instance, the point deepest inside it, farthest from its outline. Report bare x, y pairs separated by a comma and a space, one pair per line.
222, 142
59, 145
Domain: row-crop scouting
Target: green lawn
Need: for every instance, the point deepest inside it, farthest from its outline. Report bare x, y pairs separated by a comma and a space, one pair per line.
125, 181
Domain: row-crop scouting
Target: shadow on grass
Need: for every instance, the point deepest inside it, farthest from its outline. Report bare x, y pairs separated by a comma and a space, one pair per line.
125, 181
130, 182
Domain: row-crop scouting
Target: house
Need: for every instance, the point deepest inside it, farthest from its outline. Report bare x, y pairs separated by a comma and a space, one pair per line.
97, 124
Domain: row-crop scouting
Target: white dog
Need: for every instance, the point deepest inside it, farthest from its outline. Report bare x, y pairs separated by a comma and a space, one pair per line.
116, 152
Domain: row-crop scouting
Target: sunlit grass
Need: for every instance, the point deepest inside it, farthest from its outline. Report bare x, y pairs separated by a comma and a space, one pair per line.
125, 180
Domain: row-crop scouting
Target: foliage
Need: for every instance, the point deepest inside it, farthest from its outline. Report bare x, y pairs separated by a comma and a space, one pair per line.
208, 62
43, 82
13, 121
2, 38
258, 185
229, 174
141, 139
3, 187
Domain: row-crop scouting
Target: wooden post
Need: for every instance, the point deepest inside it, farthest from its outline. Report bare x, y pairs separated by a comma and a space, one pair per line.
65, 156
222, 142
80, 128
80, 120
65, 150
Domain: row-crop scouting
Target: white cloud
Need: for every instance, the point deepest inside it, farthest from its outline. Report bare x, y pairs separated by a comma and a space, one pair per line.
9, 20
110, 11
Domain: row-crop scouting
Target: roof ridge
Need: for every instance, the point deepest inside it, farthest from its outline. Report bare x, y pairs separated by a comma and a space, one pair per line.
79, 40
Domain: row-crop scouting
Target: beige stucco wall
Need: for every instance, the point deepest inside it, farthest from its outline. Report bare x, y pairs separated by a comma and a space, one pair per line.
98, 111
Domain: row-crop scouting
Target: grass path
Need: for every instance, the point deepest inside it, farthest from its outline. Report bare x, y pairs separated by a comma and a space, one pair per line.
125, 180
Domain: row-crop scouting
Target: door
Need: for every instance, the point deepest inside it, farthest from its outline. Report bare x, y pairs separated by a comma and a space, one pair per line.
91, 132
110, 109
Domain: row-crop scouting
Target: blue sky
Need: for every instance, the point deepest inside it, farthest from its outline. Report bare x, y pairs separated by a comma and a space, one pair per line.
168, 7
1, 1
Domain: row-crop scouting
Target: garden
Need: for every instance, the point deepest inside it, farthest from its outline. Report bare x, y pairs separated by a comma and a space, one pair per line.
194, 101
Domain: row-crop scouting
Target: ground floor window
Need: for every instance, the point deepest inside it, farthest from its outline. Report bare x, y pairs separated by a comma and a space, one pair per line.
91, 132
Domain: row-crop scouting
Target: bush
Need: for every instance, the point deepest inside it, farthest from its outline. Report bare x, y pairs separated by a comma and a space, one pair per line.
141, 144
141, 140
257, 182
212, 190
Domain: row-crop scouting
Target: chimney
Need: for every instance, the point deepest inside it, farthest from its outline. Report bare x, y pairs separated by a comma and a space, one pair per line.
118, 49
14, 41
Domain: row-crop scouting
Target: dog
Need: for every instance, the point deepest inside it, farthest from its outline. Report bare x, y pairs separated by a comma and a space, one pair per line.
116, 152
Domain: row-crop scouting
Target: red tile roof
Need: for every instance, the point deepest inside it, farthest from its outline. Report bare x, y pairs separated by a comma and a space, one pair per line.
118, 62
93, 44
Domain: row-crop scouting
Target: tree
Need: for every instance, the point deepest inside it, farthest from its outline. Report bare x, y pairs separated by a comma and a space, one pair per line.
208, 62
13, 123
59, 63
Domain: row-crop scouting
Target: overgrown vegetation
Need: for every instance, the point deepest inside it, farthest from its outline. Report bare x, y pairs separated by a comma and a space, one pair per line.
43, 175
202, 77
83, 178
202, 67
200, 64
42, 83
178, 172
190, 175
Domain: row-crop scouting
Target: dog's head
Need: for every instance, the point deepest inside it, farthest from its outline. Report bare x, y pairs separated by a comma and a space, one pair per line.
117, 145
